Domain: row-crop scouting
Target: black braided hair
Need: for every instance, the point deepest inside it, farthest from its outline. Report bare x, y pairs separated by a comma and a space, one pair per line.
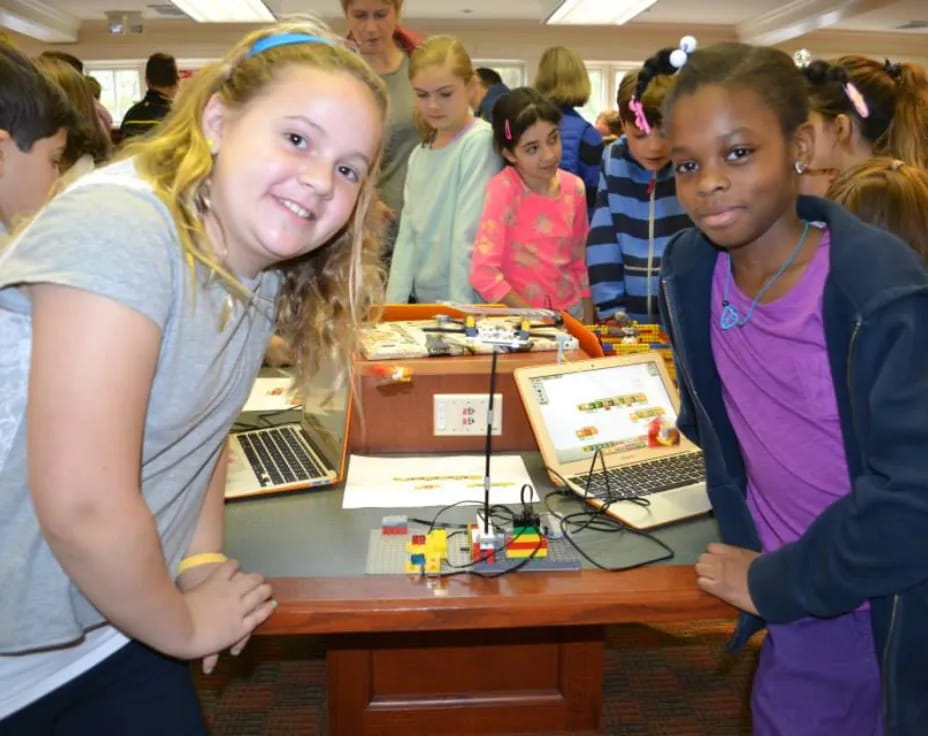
655, 65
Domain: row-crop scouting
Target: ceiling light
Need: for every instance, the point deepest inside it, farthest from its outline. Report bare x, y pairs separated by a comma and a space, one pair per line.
597, 12
226, 11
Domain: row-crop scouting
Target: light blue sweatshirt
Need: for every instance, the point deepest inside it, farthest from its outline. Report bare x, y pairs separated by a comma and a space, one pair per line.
442, 204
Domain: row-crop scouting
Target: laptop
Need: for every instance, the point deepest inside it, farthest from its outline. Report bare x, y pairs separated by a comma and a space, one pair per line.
288, 457
609, 405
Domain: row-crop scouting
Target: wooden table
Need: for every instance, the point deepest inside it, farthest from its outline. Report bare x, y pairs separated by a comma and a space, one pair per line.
517, 654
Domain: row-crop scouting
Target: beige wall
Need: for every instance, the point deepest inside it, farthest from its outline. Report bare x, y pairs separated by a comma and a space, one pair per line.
497, 40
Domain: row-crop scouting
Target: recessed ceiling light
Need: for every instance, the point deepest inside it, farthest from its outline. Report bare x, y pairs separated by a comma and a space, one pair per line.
226, 11
597, 12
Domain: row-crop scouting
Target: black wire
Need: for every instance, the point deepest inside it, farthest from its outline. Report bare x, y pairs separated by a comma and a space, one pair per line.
592, 522
446, 508
435, 525
489, 445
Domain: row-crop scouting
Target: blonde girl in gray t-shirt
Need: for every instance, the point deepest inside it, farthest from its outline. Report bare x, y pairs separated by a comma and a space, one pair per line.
134, 312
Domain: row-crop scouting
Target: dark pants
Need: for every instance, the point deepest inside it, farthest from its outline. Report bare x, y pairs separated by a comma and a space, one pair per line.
135, 691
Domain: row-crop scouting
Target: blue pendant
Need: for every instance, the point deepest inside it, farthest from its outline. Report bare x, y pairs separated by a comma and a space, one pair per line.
729, 317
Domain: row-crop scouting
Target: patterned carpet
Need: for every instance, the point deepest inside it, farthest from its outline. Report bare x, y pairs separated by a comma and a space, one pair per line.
666, 680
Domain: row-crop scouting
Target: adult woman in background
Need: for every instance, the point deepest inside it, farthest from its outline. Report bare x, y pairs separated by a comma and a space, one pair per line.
374, 27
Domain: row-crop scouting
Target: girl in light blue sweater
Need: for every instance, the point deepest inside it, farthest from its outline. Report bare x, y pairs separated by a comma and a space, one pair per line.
445, 182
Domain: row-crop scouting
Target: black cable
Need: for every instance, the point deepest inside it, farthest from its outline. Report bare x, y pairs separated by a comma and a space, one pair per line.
489, 446
593, 522
446, 508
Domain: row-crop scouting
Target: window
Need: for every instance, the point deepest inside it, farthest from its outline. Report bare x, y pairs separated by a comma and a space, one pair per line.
597, 102
605, 77
121, 84
512, 72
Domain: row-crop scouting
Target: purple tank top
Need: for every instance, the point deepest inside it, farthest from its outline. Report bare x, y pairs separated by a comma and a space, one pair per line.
778, 391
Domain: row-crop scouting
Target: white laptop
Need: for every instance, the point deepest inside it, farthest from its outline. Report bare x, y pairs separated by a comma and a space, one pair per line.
609, 404
295, 456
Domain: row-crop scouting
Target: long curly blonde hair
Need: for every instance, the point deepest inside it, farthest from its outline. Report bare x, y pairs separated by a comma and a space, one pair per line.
326, 294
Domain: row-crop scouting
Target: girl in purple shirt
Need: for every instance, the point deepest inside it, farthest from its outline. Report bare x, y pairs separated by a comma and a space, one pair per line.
736, 121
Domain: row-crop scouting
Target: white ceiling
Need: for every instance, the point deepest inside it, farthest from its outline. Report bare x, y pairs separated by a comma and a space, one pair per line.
723, 12
892, 14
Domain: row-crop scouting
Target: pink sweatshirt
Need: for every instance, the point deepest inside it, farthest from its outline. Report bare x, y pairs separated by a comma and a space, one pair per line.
532, 243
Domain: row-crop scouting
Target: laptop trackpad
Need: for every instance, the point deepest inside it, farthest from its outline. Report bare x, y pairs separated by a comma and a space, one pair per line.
665, 507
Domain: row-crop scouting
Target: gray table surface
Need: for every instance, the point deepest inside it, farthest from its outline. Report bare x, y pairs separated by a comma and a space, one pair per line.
307, 533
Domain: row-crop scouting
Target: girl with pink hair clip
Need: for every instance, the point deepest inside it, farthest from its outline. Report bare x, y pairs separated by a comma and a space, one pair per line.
529, 250
862, 107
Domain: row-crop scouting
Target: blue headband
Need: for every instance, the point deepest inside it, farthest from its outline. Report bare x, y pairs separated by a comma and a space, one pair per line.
284, 39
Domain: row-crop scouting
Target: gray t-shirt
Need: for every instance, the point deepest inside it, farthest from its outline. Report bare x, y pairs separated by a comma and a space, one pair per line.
400, 138
110, 235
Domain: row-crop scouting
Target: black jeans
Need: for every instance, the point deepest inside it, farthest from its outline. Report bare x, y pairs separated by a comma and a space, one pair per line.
133, 692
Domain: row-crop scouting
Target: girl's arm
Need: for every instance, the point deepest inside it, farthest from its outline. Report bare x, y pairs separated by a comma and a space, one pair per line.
486, 268
479, 163
207, 536
93, 362
400, 279
578, 256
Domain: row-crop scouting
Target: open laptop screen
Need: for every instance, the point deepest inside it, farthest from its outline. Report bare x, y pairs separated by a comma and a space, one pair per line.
325, 421
607, 408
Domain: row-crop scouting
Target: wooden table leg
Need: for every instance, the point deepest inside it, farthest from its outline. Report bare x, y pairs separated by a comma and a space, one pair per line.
492, 681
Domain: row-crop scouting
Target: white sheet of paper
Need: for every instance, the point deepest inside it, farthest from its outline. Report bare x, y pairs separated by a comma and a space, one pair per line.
432, 480
271, 394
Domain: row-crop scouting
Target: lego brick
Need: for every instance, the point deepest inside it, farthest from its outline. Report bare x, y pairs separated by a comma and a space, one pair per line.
516, 554
540, 544
386, 555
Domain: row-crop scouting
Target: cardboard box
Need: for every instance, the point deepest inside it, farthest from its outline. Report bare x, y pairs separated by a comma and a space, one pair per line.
398, 416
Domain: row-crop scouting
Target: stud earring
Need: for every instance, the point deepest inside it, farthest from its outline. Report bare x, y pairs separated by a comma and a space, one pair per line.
211, 145
800, 167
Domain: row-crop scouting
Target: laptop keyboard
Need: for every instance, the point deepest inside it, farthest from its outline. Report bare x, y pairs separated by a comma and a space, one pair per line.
643, 479
279, 455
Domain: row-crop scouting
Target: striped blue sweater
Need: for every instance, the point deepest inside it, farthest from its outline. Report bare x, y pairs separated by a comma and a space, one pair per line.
623, 251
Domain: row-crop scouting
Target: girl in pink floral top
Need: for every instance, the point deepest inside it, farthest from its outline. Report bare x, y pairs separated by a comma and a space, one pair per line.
529, 249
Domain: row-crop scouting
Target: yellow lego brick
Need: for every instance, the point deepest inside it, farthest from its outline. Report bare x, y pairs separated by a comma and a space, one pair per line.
412, 568
437, 541
432, 565
415, 548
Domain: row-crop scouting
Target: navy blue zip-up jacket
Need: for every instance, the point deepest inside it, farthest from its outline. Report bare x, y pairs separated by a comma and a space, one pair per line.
581, 151
871, 545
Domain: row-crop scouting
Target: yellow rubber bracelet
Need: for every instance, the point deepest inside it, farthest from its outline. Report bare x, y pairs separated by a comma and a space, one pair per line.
201, 559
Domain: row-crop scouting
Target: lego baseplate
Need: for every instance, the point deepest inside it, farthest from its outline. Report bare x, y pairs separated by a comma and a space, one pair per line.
386, 555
